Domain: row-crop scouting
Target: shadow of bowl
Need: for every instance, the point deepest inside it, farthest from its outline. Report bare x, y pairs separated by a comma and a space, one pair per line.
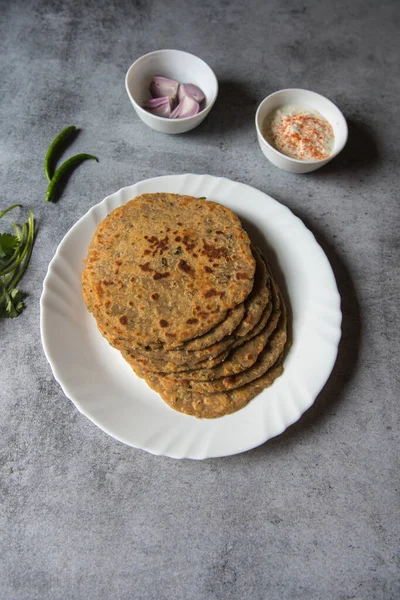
233, 110
360, 153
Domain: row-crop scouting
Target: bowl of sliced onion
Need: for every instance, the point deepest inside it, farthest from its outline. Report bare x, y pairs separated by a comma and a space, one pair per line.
171, 91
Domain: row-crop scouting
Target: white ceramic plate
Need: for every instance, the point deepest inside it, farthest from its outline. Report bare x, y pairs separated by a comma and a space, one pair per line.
103, 387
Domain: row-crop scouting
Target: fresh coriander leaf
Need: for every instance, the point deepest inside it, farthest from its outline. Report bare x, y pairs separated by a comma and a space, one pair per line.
8, 244
14, 304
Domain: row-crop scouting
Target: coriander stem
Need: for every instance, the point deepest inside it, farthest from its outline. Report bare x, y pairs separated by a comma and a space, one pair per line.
6, 267
27, 251
8, 209
17, 230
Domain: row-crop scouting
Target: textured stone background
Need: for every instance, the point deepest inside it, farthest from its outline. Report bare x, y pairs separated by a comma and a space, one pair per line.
313, 514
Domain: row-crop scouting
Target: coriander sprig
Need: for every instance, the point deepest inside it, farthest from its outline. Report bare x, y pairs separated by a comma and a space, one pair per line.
15, 253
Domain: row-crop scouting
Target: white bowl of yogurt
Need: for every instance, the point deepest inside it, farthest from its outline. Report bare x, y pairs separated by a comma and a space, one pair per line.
300, 131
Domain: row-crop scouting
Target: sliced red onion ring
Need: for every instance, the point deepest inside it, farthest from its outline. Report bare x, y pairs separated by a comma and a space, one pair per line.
161, 87
162, 107
187, 107
191, 90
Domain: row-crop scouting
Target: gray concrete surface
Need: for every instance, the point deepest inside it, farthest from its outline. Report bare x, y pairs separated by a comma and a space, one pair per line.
312, 514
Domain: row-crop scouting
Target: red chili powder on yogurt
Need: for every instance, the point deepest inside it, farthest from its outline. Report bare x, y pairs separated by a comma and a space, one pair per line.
299, 133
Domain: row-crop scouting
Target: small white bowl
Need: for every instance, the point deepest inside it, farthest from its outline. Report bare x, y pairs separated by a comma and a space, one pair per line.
173, 64
311, 101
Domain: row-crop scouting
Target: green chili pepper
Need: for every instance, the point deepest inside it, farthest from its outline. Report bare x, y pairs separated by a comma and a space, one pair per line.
62, 174
55, 149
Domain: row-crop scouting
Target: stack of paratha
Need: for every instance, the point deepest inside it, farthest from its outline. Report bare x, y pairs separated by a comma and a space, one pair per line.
176, 286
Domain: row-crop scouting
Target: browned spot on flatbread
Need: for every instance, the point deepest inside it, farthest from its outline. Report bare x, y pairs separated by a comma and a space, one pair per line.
186, 268
157, 276
146, 267
213, 251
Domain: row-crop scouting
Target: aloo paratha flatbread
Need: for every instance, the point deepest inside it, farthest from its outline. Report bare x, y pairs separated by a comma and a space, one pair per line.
258, 298
165, 268
240, 359
265, 359
141, 366
242, 318
251, 311
211, 406
198, 360
215, 397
